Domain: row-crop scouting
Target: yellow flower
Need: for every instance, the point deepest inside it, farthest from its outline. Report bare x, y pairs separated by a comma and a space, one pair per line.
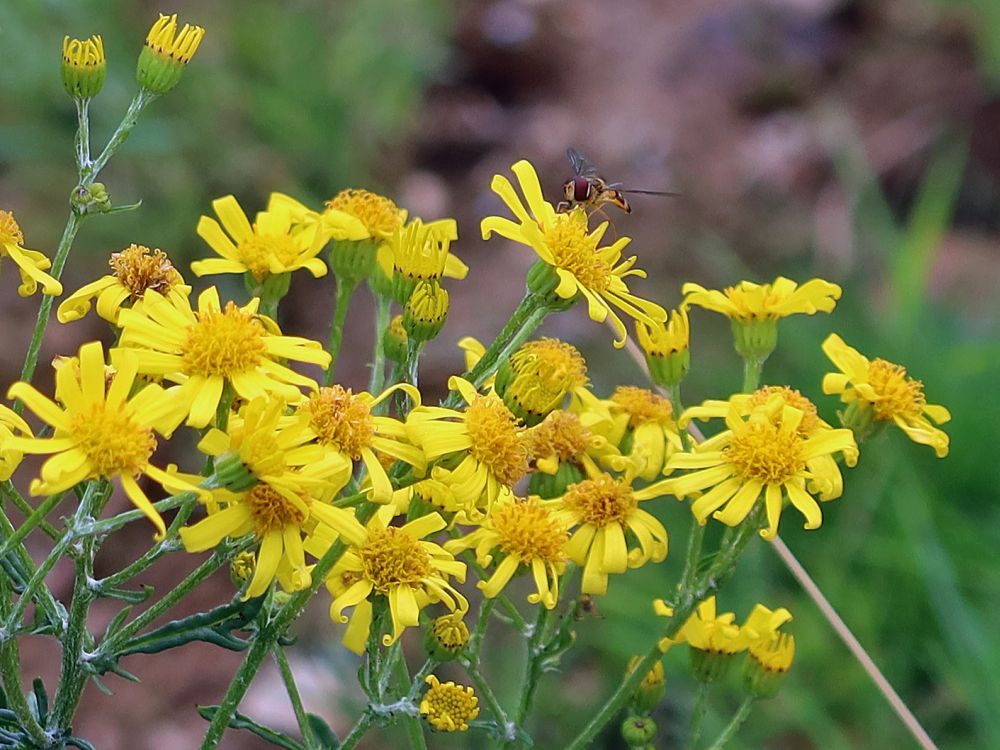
320, 228
379, 215
342, 422
166, 53
83, 66
536, 378
11, 424
748, 301
771, 652
30, 263
391, 561
449, 707
707, 631
644, 430
564, 243
420, 251
525, 532
208, 349
763, 452
493, 455
563, 437
606, 510
666, 347
266, 247
134, 270
290, 473
880, 391
99, 430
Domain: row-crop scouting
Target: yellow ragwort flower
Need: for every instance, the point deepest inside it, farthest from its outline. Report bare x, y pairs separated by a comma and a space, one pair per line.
342, 422
420, 251
748, 301
644, 429
83, 66
564, 437
880, 391
605, 511
522, 533
291, 472
391, 561
706, 630
30, 263
564, 243
99, 430
134, 270
762, 452
379, 215
166, 53
536, 378
449, 707
490, 444
207, 349
666, 347
11, 425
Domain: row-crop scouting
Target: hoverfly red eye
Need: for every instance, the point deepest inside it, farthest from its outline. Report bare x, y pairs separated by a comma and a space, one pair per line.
581, 189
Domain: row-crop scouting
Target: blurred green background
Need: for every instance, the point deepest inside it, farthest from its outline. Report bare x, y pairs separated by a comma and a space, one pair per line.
853, 140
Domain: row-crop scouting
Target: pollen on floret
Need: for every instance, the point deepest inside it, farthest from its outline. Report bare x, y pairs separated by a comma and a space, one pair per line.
226, 343
379, 214
810, 415
271, 510
497, 441
257, 250
541, 373
600, 501
527, 530
899, 395
761, 451
562, 435
138, 268
449, 707
575, 251
10, 232
112, 441
392, 557
341, 419
642, 405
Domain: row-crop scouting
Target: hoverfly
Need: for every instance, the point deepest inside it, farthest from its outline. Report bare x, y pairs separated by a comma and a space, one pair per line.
587, 188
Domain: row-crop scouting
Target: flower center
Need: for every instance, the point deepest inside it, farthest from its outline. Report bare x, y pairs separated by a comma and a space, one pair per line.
450, 707
544, 372
600, 501
642, 405
380, 215
138, 268
898, 394
561, 435
391, 557
497, 441
10, 232
112, 441
226, 343
528, 531
271, 511
790, 396
760, 451
341, 419
575, 251
257, 250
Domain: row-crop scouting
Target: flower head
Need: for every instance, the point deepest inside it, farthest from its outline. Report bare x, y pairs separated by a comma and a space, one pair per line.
30, 263
748, 301
133, 270
666, 347
644, 429
606, 512
565, 244
537, 377
267, 247
166, 54
207, 349
520, 533
379, 215
396, 562
83, 66
763, 452
99, 430
417, 252
880, 391
449, 707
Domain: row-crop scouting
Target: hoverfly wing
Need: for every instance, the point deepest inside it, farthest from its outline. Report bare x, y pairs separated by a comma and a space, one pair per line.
581, 164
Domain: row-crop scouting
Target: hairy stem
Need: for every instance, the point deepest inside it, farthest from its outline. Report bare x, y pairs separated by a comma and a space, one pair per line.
730, 731
345, 290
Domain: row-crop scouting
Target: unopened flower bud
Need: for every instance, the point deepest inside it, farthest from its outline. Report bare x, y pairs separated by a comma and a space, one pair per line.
166, 54
426, 311
83, 66
241, 568
768, 664
651, 690
395, 341
637, 731
535, 379
666, 348
447, 637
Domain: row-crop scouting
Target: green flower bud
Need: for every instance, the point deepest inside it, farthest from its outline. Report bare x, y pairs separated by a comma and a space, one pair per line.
395, 341
166, 54
83, 66
637, 731
426, 311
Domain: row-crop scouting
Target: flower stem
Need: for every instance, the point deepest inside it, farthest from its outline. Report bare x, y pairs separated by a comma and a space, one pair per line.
698, 715
382, 310
10, 671
358, 731
82, 139
139, 103
412, 725
488, 696
293, 695
10, 491
30, 522
752, 369
730, 731
532, 667
345, 290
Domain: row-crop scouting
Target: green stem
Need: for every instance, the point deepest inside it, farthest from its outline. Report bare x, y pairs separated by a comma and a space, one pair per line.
752, 369
82, 139
411, 723
10, 491
109, 525
269, 634
382, 313
293, 695
345, 290
693, 556
139, 103
31, 522
476, 639
730, 731
687, 600
490, 699
10, 672
517, 619
359, 730
698, 715
420, 678
532, 668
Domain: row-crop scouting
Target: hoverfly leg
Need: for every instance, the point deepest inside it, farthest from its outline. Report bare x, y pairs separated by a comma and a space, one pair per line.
600, 210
